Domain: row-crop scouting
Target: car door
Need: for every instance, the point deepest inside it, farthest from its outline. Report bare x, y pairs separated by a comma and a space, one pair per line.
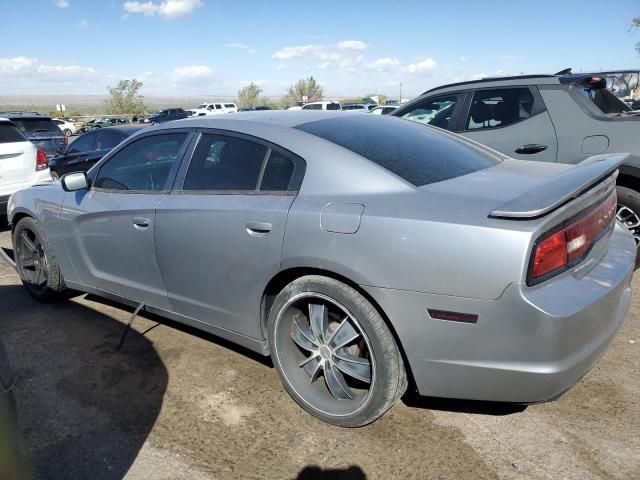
219, 236
77, 154
513, 121
109, 228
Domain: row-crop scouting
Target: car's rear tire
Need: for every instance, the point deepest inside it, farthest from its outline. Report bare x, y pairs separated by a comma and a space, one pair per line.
67, 132
334, 352
36, 263
628, 212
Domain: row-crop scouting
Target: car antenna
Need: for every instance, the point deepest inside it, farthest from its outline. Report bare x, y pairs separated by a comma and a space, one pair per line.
566, 71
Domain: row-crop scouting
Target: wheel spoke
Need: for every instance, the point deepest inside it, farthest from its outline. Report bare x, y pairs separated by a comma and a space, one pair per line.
313, 368
344, 334
26, 262
356, 367
336, 383
26, 241
318, 318
39, 276
302, 335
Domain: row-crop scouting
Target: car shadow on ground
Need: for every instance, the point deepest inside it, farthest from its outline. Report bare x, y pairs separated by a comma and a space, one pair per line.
84, 409
413, 400
317, 473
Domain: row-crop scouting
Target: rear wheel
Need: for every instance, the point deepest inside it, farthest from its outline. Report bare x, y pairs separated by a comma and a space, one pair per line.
334, 353
35, 261
628, 212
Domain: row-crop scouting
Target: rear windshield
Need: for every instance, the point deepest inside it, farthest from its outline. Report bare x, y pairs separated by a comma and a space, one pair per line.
36, 125
606, 101
229, 105
417, 153
10, 134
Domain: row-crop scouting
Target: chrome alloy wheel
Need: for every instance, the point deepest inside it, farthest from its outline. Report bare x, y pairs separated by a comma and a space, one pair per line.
31, 259
629, 219
325, 354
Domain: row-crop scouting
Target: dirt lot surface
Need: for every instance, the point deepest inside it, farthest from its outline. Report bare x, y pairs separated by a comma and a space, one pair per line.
178, 404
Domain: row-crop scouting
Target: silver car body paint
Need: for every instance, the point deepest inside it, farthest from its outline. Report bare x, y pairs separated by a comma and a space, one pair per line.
408, 248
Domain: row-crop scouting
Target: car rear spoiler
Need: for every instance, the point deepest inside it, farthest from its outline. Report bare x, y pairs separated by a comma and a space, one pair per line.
561, 189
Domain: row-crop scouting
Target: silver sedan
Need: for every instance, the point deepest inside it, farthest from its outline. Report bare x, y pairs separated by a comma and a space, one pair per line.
365, 254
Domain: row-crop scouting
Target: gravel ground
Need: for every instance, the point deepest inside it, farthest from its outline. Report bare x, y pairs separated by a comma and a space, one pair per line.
179, 404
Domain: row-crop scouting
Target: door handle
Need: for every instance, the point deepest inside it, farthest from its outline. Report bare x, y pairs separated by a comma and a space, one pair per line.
258, 229
141, 223
530, 149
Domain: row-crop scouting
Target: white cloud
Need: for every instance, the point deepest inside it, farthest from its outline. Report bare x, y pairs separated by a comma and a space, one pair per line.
332, 52
352, 45
169, 9
462, 59
423, 66
16, 64
61, 3
383, 64
250, 50
83, 23
478, 76
191, 72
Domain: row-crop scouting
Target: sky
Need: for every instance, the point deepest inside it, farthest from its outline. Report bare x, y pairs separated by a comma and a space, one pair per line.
212, 48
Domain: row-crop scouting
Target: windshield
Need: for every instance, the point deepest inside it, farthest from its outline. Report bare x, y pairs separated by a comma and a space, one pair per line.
36, 125
418, 154
202, 105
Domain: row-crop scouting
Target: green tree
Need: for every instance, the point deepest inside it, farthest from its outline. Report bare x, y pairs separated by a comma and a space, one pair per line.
125, 99
308, 87
249, 96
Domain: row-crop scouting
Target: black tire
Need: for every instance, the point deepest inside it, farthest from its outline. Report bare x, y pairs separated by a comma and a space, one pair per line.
387, 376
628, 212
50, 288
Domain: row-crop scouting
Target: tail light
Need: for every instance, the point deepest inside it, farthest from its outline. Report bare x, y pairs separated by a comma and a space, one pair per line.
568, 245
41, 161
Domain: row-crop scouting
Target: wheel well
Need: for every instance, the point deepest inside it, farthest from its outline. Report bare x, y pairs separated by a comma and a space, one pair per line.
17, 217
285, 277
629, 181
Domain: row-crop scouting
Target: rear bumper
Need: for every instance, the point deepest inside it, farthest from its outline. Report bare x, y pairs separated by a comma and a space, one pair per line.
531, 344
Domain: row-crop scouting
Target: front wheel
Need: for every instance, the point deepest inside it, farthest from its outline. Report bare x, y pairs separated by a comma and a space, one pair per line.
35, 261
334, 353
628, 212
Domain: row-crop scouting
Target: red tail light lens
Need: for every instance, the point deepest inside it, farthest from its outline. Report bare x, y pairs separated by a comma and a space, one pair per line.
569, 245
41, 161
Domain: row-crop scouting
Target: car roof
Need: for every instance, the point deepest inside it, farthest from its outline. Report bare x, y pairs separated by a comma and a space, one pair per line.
541, 79
11, 115
282, 118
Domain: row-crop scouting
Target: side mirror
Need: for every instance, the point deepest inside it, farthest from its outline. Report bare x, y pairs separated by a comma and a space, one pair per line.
72, 182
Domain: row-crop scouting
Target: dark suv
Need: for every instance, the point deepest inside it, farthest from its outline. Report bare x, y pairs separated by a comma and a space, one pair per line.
551, 118
167, 115
39, 130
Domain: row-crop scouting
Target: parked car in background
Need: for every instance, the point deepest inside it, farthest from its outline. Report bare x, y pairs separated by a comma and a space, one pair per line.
167, 115
169, 221
384, 109
562, 118
322, 106
212, 109
39, 129
22, 164
293, 107
88, 149
359, 107
68, 128
257, 108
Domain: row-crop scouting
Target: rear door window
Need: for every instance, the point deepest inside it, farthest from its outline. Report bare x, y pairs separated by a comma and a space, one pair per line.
436, 111
278, 174
10, 134
499, 107
222, 163
604, 100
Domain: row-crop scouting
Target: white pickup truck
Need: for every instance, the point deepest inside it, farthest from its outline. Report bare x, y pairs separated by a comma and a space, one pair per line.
212, 109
